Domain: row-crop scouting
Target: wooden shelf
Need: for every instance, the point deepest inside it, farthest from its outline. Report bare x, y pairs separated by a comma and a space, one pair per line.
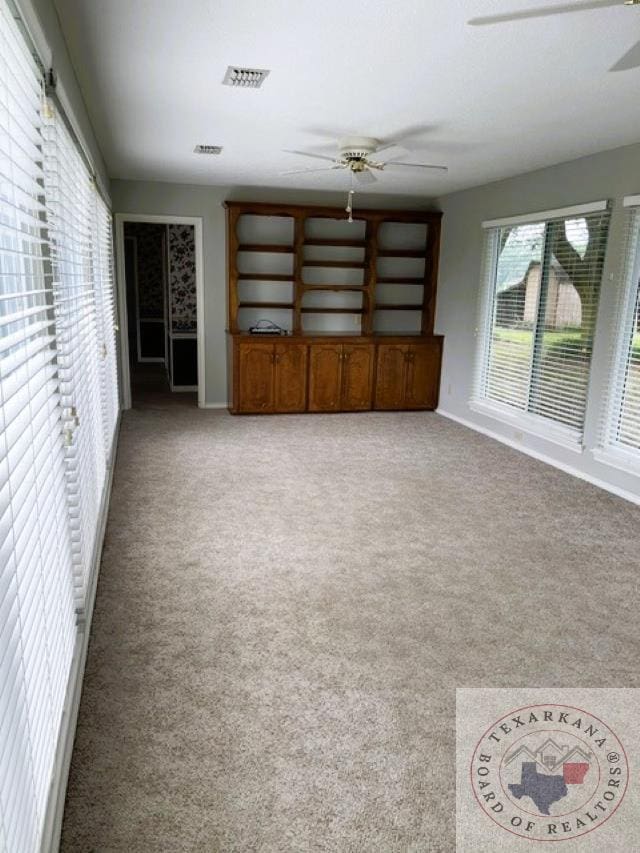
332, 310
260, 276
379, 307
265, 247
265, 305
357, 244
402, 253
356, 265
334, 288
352, 248
387, 279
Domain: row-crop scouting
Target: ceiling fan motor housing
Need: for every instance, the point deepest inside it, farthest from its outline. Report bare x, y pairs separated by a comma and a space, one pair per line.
355, 150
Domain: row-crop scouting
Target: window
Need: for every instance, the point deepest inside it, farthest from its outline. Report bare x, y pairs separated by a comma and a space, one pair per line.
622, 422
37, 620
540, 297
70, 210
58, 412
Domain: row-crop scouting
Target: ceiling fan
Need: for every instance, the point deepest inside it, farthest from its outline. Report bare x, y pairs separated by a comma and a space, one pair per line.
631, 58
362, 156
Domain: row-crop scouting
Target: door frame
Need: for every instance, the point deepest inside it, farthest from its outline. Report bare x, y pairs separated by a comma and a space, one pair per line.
161, 219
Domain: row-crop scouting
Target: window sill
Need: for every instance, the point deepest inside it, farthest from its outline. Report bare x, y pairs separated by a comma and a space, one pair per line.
563, 436
627, 461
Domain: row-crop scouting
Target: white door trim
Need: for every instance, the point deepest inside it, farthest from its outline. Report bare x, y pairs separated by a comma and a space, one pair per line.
163, 219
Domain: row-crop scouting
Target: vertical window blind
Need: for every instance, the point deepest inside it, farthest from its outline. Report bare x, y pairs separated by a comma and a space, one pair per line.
540, 298
58, 412
622, 421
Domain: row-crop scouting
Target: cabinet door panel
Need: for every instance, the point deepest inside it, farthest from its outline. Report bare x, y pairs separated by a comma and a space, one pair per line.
391, 376
423, 376
357, 378
290, 377
324, 377
255, 386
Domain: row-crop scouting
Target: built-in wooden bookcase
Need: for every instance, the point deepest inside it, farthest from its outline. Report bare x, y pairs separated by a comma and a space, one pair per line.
356, 298
310, 270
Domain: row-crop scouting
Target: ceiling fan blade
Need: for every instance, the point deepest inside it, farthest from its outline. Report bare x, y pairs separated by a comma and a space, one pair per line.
543, 11
391, 152
306, 171
418, 166
310, 154
365, 177
631, 59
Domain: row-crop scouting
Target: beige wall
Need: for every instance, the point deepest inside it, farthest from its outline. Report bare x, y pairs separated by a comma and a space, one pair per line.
207, 202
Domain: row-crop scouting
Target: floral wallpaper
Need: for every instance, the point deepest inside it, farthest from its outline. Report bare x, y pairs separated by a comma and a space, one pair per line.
182, 278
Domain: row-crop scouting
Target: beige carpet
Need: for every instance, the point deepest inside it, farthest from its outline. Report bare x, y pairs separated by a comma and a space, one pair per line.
285, 609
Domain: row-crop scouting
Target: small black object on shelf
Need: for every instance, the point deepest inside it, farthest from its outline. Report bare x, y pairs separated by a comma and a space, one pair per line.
266, 327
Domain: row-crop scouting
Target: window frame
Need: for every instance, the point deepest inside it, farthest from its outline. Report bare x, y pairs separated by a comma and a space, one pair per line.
609, 450
566, 436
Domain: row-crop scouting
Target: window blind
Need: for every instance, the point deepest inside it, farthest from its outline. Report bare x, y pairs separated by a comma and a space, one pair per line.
37, 620
622, 420
541, 284
102, 248
71, 214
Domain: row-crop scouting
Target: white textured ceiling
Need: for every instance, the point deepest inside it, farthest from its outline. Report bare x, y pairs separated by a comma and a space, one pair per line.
486, 101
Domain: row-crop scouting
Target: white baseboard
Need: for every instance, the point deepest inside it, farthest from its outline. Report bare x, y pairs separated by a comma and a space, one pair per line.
214, 405
57, 794
543, 457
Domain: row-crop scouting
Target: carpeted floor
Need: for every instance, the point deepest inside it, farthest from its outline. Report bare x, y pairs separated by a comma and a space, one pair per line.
285, 609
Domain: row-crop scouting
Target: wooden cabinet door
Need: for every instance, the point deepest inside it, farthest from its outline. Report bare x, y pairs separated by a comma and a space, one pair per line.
391, 376
325, 370
357, 377
255, 379
423, 375
290, 377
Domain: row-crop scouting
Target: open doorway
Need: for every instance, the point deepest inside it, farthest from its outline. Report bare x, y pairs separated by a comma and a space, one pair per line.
160, 305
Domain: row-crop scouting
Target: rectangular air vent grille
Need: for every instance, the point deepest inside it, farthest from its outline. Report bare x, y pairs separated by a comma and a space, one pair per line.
247, 78
208, 149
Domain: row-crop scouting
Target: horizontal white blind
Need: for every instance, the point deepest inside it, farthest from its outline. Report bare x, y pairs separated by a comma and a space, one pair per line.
70, 209
543, 286
102, 248
37, 620
622, 422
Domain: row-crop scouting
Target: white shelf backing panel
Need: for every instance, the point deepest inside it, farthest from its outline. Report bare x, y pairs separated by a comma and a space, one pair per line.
333, 275
402, 235
264, 263
402, 322
320, 228
322, 299
399, 294
400, 267
282, 317
265, 291
277, 230
352, 254
331, 323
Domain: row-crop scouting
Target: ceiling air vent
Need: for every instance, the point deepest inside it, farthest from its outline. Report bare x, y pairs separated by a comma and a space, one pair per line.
248, 78
208, 149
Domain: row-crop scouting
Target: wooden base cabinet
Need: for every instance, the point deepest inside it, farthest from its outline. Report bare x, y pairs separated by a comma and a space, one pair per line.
272, 377
340, 377
312, 374
408, 375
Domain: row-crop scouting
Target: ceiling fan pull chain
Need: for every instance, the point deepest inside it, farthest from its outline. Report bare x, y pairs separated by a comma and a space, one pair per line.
349, 207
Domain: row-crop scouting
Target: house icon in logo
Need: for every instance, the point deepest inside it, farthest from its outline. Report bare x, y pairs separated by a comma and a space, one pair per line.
549, 756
